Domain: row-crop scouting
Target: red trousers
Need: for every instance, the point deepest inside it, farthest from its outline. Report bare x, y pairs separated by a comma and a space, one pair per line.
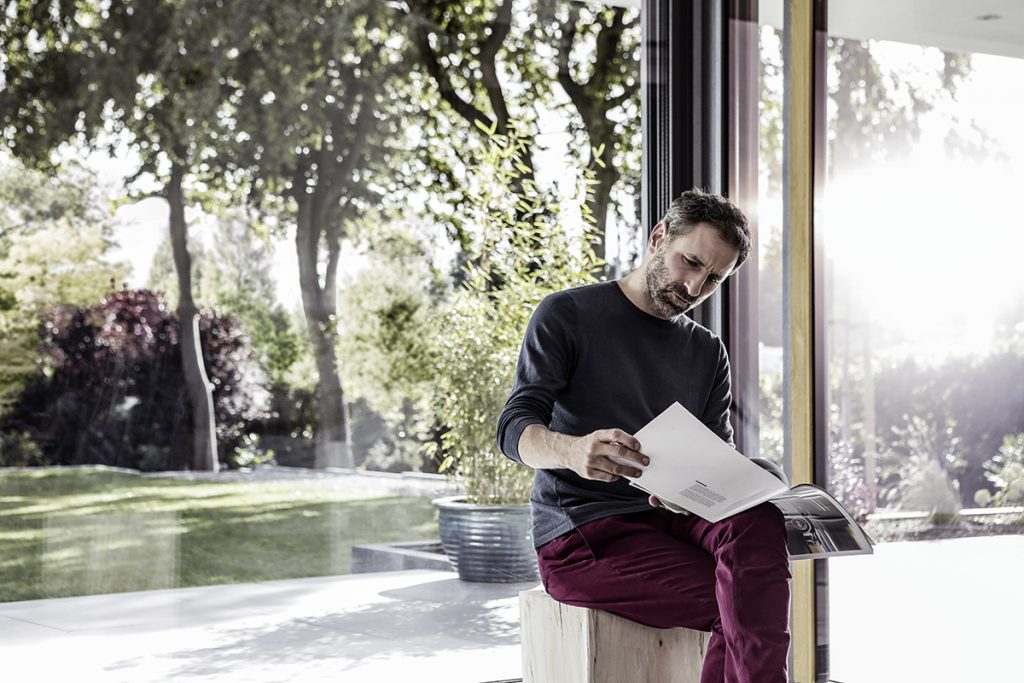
666, 570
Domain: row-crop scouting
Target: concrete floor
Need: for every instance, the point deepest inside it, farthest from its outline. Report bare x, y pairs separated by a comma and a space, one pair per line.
926, 612
398, 626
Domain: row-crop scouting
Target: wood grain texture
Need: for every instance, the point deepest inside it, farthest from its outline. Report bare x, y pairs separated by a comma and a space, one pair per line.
566, 644
800, 149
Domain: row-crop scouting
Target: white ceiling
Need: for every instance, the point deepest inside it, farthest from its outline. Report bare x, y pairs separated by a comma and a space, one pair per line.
952, 25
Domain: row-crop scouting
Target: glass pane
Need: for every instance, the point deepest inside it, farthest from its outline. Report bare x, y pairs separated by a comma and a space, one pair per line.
925, 311
755, 183
771, 335
321, 182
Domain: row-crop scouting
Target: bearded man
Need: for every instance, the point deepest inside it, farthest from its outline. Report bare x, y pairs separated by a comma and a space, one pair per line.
598, 363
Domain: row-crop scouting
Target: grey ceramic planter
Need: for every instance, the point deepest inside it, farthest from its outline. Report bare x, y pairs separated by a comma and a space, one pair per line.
488, 543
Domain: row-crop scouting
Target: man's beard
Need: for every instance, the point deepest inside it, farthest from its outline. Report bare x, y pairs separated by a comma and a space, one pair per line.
659, 291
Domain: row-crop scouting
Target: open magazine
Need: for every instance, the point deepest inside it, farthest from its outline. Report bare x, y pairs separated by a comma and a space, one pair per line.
693, 470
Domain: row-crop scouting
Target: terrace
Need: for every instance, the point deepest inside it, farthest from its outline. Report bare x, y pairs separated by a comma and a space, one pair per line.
428, 626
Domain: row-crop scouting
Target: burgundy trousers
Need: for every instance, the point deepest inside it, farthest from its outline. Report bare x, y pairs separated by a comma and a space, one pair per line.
666, 570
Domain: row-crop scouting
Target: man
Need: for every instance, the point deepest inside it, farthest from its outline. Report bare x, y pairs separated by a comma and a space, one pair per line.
599, 362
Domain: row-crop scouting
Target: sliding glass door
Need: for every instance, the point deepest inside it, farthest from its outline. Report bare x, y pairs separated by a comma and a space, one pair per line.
925, 338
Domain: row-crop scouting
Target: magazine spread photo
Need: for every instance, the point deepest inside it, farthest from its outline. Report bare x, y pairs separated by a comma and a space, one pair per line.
691, 469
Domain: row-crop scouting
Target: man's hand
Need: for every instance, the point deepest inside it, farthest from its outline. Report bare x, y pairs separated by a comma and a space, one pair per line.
606, 455
656, 502
771, 467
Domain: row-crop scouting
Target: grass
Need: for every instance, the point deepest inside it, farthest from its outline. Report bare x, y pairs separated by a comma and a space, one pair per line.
70, 532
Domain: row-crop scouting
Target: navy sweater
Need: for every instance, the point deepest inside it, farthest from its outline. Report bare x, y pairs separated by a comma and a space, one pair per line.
592, 360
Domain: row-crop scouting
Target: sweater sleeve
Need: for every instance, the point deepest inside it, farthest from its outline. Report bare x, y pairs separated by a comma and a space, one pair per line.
716, 412
544, 367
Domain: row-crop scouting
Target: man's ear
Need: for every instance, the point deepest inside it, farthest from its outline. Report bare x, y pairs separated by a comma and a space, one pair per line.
656, 237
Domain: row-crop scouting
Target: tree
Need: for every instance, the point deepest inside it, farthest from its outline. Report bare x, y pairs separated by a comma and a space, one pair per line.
53, 249
386, 313
604, 92
142, 75
318, 106
490, 68
876, 108
31, 201
233, 276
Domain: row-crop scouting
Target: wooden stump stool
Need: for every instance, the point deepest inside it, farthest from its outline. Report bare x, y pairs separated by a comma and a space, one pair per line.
566, 644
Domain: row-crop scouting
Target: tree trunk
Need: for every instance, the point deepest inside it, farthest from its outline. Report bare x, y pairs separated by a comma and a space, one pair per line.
204, 432
593, 100
600, 202
333, 447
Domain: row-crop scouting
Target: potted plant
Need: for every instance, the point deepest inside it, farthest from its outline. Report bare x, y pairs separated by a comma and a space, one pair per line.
522, 251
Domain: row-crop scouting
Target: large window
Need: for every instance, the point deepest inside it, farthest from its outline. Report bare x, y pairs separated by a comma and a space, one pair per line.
919, 354
234, 239
924, 343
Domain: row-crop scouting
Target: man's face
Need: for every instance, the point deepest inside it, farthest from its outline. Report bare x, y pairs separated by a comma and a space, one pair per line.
684, 271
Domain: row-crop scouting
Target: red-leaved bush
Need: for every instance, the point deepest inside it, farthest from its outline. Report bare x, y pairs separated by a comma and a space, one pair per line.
112, 390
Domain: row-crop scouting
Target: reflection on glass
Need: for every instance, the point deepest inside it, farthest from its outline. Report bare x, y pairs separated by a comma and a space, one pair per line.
771, 340
86, 554
244, 256
925, 339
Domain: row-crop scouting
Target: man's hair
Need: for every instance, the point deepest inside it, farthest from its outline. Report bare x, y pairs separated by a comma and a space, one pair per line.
697, 206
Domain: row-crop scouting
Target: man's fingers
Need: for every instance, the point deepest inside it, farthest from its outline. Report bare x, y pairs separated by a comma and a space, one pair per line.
621, 448
617, 436
608, 454
627, 456
620, 469
656, 502
600, 474
606, 469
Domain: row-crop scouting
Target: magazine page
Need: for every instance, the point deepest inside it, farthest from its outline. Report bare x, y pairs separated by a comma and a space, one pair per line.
693, 469
817, 526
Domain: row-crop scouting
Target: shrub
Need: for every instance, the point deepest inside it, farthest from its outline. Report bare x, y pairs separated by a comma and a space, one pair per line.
523, 253
17, 449
982, 396
113, 392
1005, 471
926, 486
847, 481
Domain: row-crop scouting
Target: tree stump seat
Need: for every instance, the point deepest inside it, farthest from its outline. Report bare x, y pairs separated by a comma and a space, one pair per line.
566, 644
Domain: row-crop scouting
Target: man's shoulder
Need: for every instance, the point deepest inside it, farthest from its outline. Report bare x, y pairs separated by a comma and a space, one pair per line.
575, 307
576, 298
585, 296
699, 340
702, 334
706, 343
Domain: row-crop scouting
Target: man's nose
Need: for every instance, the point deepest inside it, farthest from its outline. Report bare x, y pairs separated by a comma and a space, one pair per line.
694, 284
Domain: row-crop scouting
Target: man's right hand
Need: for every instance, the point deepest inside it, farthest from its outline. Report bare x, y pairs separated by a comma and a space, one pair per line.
605, 455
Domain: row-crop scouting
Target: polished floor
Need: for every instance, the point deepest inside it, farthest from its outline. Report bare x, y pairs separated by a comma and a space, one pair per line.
398, 626
926, 612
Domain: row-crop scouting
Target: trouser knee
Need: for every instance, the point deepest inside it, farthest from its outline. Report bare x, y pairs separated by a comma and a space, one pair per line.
762, 526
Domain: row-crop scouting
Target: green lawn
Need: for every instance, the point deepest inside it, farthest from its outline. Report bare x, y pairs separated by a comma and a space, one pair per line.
80, 531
